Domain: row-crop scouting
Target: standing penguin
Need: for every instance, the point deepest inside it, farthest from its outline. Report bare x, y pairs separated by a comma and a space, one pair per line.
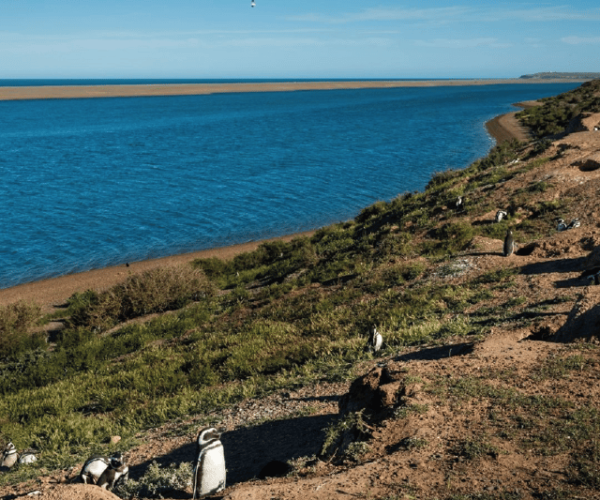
209, 467
375, 340
500, 214
9, 456
509, 244
460, 204
116, 470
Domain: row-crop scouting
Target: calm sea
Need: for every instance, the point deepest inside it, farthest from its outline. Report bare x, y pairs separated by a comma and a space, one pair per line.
87, 183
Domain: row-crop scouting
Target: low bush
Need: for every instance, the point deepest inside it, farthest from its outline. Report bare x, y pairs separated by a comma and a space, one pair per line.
16, 321
157, 482
156, 290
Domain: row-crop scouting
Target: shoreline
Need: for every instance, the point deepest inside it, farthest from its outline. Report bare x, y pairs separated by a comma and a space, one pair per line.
173, 89
52, 292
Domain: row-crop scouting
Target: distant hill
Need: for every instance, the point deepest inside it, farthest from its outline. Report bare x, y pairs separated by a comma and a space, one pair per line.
566, 76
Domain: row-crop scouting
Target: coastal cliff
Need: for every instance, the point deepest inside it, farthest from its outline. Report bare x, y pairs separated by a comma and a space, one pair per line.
486, 385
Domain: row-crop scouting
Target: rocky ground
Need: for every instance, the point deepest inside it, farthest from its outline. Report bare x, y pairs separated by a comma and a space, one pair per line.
493, 417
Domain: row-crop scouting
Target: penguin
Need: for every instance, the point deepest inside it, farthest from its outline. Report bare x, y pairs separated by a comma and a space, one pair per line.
460, 204
591, 275
500, 214
560, 225
209, 467
27, 457
509, 244
9, 456
375, 340
116, 470
573, 224
93, 469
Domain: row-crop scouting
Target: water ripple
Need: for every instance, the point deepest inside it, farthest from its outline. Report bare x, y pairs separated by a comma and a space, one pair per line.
94, 182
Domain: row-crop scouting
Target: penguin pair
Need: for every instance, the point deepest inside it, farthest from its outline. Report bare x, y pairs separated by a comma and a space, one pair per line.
500, 215
375, 340
209, 466
10, 456
561, 225
103, 471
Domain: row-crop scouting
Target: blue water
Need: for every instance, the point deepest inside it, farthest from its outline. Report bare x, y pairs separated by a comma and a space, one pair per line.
87, 183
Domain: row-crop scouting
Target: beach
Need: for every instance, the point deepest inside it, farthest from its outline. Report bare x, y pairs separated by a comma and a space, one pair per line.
97, 91
53, 292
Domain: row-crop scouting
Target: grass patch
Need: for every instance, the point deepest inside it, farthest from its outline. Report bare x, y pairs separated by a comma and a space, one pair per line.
153, 291
16, 321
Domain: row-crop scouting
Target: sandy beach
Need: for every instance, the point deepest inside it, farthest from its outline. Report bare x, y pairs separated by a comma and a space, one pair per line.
94, 91
54, 291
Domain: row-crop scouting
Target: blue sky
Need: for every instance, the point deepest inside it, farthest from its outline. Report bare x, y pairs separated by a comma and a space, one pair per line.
295, 38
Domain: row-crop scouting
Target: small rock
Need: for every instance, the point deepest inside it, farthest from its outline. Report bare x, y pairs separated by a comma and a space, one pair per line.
115, 439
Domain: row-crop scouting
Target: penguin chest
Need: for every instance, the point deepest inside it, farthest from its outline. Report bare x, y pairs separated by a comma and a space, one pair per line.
378, 342
9, 459
93, 470
210, 476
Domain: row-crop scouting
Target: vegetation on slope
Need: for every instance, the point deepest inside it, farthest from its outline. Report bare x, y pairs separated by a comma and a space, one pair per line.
554, 115
284, 315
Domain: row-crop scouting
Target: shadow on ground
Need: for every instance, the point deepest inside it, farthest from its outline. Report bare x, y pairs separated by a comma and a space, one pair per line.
554, 266
249, 449
437, 353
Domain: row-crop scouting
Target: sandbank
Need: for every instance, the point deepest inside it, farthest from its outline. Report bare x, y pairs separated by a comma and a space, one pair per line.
95, 91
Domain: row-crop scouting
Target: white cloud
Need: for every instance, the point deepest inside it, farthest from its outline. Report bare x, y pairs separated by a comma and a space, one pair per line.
456, 14
578, 40
449, 43
432, 14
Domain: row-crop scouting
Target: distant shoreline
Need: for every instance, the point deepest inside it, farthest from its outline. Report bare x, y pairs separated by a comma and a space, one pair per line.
149, 90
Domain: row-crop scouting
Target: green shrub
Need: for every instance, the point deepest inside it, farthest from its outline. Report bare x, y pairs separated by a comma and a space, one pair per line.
156, 290
371, 211
440, 179
454, 236
16, 321
157, 482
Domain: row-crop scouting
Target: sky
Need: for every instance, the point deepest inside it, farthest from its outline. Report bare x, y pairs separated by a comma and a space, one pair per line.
228, 39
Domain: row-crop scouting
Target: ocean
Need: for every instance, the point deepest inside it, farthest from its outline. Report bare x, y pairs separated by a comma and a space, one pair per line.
89, 183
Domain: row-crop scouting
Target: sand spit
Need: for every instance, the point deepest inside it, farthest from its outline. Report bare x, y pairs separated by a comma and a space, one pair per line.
92, 91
